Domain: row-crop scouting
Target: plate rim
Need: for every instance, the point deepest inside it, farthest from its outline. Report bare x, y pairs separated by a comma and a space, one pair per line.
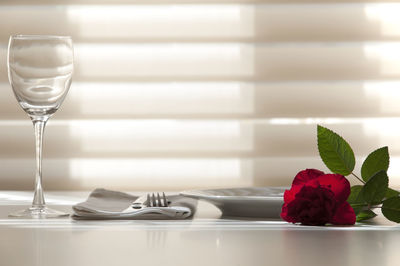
197, 193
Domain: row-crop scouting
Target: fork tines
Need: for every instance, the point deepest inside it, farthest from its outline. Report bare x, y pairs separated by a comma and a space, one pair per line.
155, 200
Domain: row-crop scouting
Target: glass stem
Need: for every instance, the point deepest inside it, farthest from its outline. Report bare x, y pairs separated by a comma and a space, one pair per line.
39, 123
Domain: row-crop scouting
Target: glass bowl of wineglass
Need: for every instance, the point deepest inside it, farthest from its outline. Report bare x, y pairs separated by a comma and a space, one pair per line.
40, 71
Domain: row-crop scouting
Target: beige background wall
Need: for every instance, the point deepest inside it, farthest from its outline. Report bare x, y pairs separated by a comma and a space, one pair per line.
174, 95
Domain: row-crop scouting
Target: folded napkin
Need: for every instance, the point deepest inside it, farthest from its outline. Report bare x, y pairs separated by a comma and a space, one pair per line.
106, 204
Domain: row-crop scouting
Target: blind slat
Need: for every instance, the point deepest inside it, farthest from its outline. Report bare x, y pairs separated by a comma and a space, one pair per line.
220, 100
162, 173
170, 2
155, 138
223, 22
233, 61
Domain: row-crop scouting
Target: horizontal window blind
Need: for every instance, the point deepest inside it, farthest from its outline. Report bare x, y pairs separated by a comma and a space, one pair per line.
175, 94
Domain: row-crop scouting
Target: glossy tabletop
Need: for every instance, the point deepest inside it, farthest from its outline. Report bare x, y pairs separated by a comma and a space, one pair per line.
207, 239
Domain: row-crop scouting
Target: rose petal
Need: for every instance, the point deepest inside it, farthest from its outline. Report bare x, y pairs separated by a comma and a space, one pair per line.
285, 216
344, 215
339, 185
290, 195
304, 176
284, 211
311, 206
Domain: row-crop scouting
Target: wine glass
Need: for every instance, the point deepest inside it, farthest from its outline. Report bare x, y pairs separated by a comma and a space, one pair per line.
40, 70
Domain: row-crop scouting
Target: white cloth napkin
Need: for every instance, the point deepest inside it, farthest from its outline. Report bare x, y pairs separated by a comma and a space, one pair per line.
106, 204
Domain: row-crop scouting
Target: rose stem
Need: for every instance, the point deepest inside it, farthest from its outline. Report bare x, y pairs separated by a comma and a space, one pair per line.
362, 181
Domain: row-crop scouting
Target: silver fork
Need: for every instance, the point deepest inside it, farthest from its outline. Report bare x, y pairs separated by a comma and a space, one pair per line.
155, 200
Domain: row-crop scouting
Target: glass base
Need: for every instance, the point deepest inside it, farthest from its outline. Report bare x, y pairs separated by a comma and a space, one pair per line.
38, 213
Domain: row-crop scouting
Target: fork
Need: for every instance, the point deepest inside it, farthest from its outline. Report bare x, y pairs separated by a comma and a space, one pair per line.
155, 200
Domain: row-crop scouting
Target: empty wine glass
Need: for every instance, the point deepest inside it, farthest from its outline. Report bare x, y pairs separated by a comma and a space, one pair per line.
40, 70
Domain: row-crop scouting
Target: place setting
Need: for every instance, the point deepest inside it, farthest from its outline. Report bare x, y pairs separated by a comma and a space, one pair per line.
235, 202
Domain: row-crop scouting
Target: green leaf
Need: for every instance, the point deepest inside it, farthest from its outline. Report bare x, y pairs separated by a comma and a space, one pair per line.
376, 161
335, 152
355, 195
391, 209
390, 193
375, 189
365, 215
356, 199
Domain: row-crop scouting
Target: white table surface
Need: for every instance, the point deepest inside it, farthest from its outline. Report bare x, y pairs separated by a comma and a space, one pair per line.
204, 240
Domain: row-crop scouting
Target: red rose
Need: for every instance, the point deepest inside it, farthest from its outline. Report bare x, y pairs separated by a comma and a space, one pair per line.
316, 198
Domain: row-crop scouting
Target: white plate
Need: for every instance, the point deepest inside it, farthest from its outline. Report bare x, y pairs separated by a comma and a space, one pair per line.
263, 202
